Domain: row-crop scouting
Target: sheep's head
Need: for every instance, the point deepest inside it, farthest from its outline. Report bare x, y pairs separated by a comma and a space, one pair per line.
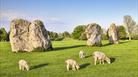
77, 66
27, 68
108, 60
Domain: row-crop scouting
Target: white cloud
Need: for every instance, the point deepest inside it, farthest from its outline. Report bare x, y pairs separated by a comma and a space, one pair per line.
51, 23
9, 15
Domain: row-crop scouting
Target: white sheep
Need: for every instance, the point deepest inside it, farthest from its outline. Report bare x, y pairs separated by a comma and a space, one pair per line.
82, 54
101, 57
23, 65
72, 64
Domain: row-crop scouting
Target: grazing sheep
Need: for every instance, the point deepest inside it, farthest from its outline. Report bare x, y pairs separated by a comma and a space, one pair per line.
101, 57
73, 64
82, 54
23, 65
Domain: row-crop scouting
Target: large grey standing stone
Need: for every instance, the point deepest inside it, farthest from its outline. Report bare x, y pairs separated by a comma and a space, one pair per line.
19, 31
93, 34
23, 33
113, 34
38, 36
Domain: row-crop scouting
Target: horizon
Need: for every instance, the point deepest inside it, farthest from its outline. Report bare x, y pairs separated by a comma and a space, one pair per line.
65, 15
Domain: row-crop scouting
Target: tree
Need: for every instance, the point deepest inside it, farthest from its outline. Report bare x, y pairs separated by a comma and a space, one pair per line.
8, 36
52, 35
83, 36
129, 24
66, 34
78, 31
3, 34
135, 32
55, 36
104, 34
122, 32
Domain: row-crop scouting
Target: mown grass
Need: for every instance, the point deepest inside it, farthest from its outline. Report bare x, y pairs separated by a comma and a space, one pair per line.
52, 63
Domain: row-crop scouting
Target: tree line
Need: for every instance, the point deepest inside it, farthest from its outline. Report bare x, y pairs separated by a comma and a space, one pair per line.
129, 30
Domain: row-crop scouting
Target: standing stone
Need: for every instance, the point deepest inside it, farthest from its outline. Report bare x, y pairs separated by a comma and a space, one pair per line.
23, 33
113, 34
93, 34
38, 36
19, 31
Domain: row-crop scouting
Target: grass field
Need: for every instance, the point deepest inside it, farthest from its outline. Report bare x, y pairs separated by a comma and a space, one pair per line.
52, 63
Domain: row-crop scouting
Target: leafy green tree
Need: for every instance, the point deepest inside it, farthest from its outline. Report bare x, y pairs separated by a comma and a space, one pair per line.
122, 32
104, 34
66, 34
78, 31
3, 34
52, 35
55, 36
8, 36
83, 36
135, 32
104, 37
129, 24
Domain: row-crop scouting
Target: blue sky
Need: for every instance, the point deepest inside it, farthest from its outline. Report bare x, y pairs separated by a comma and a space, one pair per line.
64, 15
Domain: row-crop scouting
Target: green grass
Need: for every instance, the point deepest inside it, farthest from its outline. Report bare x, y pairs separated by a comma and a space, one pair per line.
52, 63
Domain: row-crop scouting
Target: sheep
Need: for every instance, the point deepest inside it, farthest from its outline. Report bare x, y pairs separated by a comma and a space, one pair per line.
73, 64
23, 65
82, 54
101, 57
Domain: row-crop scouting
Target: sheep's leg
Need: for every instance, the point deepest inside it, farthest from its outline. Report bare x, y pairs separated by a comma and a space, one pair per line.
67, 67
100, 61
23, 68
73, 68
95, 59
83, 56
20, 67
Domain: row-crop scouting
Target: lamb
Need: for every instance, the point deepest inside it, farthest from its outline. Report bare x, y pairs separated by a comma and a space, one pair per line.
23, 65
82, 54
73, 64
101, 57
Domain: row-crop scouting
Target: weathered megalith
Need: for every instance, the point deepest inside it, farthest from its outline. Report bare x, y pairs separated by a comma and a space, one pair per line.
19, 31
27, 36
38, 36
93, 34
113, 35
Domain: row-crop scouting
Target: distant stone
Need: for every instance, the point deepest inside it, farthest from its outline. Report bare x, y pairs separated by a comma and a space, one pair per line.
93, 34
27, 36
113, 34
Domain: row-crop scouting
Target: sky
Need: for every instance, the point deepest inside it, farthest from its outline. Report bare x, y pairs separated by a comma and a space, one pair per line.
65, 15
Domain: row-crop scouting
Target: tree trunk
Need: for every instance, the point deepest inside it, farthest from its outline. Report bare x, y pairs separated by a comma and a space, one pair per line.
129, 37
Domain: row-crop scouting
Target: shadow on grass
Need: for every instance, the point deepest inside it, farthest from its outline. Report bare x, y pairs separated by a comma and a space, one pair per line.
112, 44
123, 42
54, 49
68, 47
88, 56
106, 44
112, 59
39, 66
84, 65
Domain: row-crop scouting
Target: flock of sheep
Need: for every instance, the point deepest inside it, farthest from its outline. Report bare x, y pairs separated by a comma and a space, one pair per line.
70, 63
